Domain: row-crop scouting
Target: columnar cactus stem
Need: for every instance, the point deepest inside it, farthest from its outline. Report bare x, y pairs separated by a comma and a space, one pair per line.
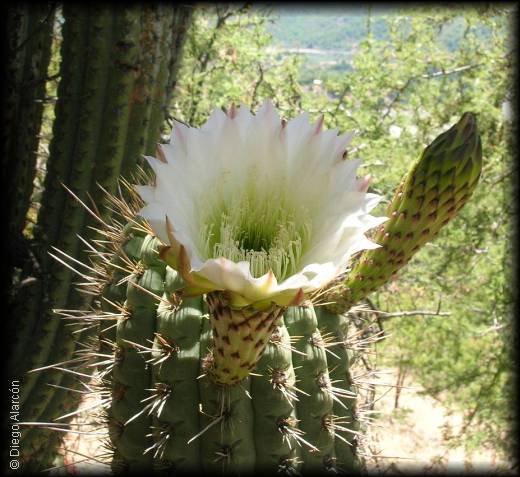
247, 377
29, 30
96, 116
154, 36
78, 133
177, 350
284, 416
275, 380
315, 403
429, 196
335, 328
174, 407
132, 382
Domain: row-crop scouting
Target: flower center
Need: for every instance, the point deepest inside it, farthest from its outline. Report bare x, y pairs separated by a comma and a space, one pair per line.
268, 233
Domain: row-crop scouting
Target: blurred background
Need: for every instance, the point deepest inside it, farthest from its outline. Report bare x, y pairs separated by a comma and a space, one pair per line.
398, 77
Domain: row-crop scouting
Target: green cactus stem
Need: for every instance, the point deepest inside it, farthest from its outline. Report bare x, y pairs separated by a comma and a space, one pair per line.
334, 336
78, 133
429, 196
172, 408
180, 399
132, 380
275, 379
30, 36
314, 408
170, 411
102, 52
177, 350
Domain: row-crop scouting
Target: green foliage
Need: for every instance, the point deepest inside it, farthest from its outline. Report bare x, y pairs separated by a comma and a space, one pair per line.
226, 60
330, 28
432, 192
400, 91
422, 87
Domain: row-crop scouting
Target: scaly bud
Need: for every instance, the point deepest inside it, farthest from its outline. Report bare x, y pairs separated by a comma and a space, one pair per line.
429, 196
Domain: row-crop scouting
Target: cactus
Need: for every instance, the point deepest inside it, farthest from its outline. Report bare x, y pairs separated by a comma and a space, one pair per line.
169, 411
29, 47
201, 380
106, 112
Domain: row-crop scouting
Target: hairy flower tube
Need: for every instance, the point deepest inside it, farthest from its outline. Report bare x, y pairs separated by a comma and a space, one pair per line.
264, 209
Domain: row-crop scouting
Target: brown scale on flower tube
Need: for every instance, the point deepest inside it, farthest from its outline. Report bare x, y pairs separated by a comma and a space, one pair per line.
448, 203
416, 217
433, 204
449, 190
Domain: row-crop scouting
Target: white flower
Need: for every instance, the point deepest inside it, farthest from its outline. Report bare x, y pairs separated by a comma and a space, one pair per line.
264, 209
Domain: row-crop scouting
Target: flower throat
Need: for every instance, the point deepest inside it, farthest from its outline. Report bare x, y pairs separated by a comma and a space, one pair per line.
267, 234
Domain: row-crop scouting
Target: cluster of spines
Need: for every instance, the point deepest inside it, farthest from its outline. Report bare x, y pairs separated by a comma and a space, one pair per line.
130, 377
295, 424
175, 355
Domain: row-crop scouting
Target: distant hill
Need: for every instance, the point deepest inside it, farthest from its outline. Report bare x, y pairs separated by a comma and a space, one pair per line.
324, 28
337, 28
327, 37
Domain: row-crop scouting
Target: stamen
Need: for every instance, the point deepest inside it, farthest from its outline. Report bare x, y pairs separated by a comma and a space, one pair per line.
269, 234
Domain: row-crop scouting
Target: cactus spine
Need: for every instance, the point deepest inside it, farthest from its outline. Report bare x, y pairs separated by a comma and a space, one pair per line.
104, 97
